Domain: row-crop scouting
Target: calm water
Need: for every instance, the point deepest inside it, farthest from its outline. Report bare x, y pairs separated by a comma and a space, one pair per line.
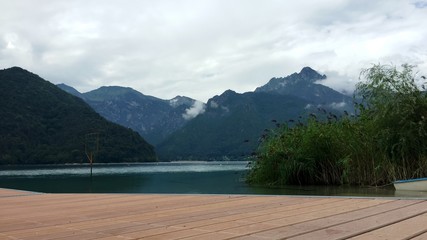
182, 177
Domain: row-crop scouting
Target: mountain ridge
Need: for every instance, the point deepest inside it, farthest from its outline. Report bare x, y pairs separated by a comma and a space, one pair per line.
307, 85
42, 124
234, 122
153, 118
227, 114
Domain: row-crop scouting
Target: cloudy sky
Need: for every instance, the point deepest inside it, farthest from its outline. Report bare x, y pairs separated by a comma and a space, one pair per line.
200, 48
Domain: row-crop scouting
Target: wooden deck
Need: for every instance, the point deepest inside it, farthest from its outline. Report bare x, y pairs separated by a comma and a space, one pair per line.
27, 215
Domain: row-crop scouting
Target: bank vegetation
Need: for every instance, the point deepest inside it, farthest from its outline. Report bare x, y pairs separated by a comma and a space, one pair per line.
383, 140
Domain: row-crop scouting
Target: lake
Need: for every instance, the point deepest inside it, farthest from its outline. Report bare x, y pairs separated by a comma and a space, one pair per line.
175, 178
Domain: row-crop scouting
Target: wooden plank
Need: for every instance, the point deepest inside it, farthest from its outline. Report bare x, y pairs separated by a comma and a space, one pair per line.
367, 224
293, 217
404, 229
287, 211
212, 236
421, 236
35, 216
325, 222
226, 213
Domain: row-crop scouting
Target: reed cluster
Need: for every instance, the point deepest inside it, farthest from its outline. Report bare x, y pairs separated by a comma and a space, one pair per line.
384, 140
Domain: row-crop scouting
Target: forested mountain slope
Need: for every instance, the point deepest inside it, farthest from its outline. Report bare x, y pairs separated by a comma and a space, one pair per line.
41, 124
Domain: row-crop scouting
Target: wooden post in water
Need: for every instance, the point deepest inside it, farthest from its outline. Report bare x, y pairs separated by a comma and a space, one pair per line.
90, 158
91, 147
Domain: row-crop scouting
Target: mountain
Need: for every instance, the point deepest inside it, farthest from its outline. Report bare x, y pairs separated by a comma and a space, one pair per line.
181, 101
42, 124
153, 118
307, 85
70, 90
233, 123
228, 126
231, 126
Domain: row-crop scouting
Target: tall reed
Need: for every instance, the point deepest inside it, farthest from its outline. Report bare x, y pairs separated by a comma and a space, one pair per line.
386, 142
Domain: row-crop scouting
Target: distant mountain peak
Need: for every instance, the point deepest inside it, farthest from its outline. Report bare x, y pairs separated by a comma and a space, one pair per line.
181, 100
305, 77
16, 68
307, 69
19, 70
112, 93
115, 89
225, 96
310, 74
304, 85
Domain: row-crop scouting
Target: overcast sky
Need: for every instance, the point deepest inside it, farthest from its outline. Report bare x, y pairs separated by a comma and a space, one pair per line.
200, 48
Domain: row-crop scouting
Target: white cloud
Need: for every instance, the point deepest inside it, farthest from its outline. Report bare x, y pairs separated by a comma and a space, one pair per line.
199, 49
341, 83
308, 106
338, 105
214, 104
192, 112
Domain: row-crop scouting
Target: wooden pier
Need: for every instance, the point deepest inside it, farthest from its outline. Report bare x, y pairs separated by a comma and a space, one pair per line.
28, 215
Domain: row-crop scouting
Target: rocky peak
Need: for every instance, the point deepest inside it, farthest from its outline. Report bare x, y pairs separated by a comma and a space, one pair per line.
181, 101
305, 77
308, 73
